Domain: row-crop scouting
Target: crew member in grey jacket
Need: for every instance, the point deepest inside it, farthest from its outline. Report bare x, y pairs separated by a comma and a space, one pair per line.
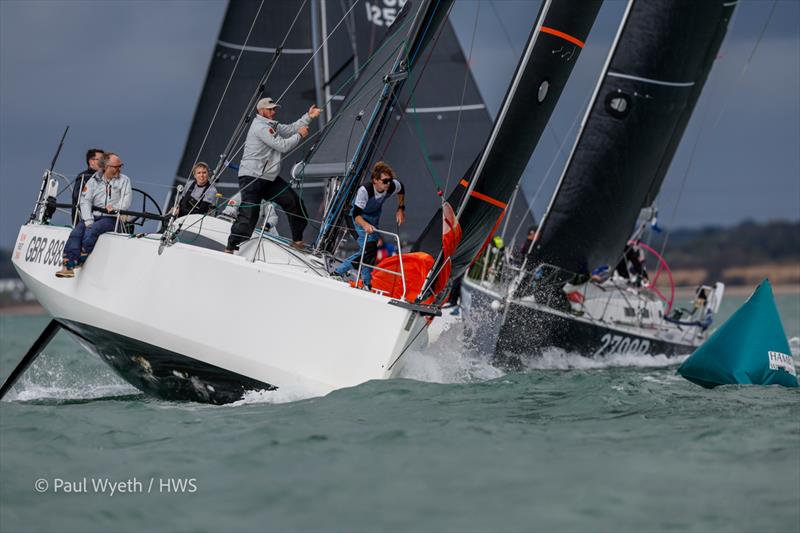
108, 191
267, 141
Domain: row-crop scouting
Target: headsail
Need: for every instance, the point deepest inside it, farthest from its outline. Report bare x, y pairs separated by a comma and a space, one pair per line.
350, 141
649, 87
483, 194
421, 137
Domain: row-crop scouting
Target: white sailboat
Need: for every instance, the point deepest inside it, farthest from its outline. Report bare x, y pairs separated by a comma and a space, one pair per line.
180, 320
275, 318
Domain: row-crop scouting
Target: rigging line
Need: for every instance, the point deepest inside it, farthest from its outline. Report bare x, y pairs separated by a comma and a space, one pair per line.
505, 30
238, 131
315, 53
355, 75
463, 95
561, 145
423, 328
403, 107
423, 146
747, 63
227, 85
349, 181
335, 119
684, 179
350, 24
355, 92
703, 122
287, 154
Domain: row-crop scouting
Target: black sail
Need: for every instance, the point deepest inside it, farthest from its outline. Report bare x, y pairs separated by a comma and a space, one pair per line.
656, 71
429, 117
352, 31
267, 23
551, 52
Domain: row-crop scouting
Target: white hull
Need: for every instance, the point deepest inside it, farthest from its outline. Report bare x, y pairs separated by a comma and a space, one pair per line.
278, 321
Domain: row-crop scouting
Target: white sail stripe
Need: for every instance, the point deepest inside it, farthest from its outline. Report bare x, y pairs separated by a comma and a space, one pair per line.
264, 50
445, 109
337, 97
728, 4
648, 80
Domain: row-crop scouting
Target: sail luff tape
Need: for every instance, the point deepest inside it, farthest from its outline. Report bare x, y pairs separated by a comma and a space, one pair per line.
481, 196
565, 36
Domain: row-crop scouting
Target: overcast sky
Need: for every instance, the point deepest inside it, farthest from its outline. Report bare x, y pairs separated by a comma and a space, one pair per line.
125, 75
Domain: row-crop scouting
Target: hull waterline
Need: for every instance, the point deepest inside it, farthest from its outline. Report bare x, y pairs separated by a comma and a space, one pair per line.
196, 324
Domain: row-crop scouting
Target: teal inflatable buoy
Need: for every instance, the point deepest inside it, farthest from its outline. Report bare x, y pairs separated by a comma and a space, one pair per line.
749, 348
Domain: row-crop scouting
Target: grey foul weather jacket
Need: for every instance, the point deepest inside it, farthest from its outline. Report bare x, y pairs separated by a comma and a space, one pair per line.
266, 141
97, 193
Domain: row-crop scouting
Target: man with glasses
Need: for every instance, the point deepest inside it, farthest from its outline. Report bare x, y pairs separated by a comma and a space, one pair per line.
266, 142
366, 215
108, 191
93, 156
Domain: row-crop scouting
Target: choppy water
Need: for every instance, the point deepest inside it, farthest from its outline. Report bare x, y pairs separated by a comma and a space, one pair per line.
570, 444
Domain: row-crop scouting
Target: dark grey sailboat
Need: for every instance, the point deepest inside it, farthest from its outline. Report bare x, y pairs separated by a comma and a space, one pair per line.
655, 72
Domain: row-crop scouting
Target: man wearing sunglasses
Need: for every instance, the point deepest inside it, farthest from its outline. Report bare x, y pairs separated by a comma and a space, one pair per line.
108, 191
366, 214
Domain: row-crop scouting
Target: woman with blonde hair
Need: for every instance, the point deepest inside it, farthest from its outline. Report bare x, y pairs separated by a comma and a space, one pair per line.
199, 196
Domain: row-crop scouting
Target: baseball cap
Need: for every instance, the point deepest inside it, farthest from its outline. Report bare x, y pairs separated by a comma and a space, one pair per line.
266, 103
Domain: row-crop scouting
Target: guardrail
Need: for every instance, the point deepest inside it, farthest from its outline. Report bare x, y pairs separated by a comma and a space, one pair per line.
402, 273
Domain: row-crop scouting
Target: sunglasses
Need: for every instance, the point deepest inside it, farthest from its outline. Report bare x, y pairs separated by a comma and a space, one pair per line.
386, 181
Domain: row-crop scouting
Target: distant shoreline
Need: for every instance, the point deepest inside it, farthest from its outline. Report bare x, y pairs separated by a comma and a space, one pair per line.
31, 308
35, 309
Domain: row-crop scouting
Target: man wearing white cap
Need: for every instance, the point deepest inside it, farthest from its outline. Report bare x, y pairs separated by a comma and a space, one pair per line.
266, 141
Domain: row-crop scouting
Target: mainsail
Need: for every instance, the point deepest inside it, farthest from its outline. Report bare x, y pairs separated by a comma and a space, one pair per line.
483, 194
348, 34
251, 33
656, 70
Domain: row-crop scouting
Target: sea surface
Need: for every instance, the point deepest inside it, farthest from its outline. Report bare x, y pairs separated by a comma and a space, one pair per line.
570, 444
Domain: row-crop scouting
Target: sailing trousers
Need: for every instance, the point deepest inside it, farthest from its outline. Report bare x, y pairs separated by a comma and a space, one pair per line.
370, 253
253, 191
82, 240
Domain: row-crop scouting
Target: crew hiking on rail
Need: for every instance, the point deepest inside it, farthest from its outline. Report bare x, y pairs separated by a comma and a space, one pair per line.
102, 195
